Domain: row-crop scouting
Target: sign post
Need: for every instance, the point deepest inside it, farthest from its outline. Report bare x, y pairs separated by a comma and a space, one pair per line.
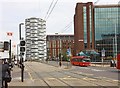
68, 55
9, 34
103, 55
22, 50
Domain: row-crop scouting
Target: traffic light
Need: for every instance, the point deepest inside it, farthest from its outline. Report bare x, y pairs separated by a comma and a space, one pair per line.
22, 43
22, 49
6, 45
22, 46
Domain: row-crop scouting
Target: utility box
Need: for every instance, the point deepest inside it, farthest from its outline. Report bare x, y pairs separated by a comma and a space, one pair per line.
4, 55
118, 61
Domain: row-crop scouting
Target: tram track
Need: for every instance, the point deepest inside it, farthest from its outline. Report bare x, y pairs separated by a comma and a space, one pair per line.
89, 77
97, 78
101, 86
67, 74
38, 75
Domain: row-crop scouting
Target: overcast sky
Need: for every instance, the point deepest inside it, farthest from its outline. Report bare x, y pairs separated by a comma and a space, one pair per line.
13, 12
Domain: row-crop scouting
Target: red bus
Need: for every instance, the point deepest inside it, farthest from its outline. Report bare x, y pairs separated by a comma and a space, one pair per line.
80, 61
118, 62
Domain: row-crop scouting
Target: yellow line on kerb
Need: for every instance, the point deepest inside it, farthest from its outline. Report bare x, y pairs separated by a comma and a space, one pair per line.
30, 76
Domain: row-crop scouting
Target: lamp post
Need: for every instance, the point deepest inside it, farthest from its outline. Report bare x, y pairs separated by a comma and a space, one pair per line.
115, 37
20, 29
21, 57
115, 42
17, 51
60, 52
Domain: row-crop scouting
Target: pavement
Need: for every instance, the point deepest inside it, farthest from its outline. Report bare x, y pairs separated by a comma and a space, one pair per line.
16, 74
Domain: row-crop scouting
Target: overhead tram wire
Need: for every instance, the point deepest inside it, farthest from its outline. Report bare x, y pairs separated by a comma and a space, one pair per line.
66, 27
96, 2
49, 9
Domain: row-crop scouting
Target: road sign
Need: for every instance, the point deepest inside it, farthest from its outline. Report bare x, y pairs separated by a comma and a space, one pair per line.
9, 33
68, 52
1, 45
103, 52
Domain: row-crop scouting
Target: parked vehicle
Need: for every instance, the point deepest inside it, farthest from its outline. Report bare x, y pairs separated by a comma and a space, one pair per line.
80, 61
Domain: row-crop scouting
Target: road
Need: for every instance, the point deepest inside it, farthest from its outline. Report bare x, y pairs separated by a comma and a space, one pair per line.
41, 74
101, 71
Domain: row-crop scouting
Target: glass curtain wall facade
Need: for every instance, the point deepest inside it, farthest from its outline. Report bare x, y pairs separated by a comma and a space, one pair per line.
87, 12
106, 29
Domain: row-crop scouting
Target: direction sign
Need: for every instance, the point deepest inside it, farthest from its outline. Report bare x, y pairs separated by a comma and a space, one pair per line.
9, 33
68, 52
103, 52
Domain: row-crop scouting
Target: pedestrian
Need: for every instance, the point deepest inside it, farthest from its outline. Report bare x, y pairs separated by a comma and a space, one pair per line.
5, 74
60, 63
60, 60
111, 63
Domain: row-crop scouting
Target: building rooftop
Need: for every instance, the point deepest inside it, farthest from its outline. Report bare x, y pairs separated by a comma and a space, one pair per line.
107, 2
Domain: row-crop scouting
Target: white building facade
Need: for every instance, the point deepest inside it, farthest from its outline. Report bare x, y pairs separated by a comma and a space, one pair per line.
35, 38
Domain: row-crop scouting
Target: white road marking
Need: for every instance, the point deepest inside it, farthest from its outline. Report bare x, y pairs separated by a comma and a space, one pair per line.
86, 78
69, 76
18, 78
51, 78
97, 70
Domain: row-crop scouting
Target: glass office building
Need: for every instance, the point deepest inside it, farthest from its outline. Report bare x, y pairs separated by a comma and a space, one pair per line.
97, 27
107, 29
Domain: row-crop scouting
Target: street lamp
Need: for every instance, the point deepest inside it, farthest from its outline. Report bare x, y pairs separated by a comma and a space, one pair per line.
21, 58
115, 37
115, 41
60, 52
17, 51
20, 29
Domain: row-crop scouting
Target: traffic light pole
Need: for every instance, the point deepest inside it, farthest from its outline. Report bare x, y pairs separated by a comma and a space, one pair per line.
22, 69
22, 50
10, 51
21, 58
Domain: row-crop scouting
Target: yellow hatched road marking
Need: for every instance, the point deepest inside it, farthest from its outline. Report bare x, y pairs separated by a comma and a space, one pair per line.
30, 76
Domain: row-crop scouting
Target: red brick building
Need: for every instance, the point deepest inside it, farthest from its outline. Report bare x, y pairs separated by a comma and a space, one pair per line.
59, 44
84, 35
